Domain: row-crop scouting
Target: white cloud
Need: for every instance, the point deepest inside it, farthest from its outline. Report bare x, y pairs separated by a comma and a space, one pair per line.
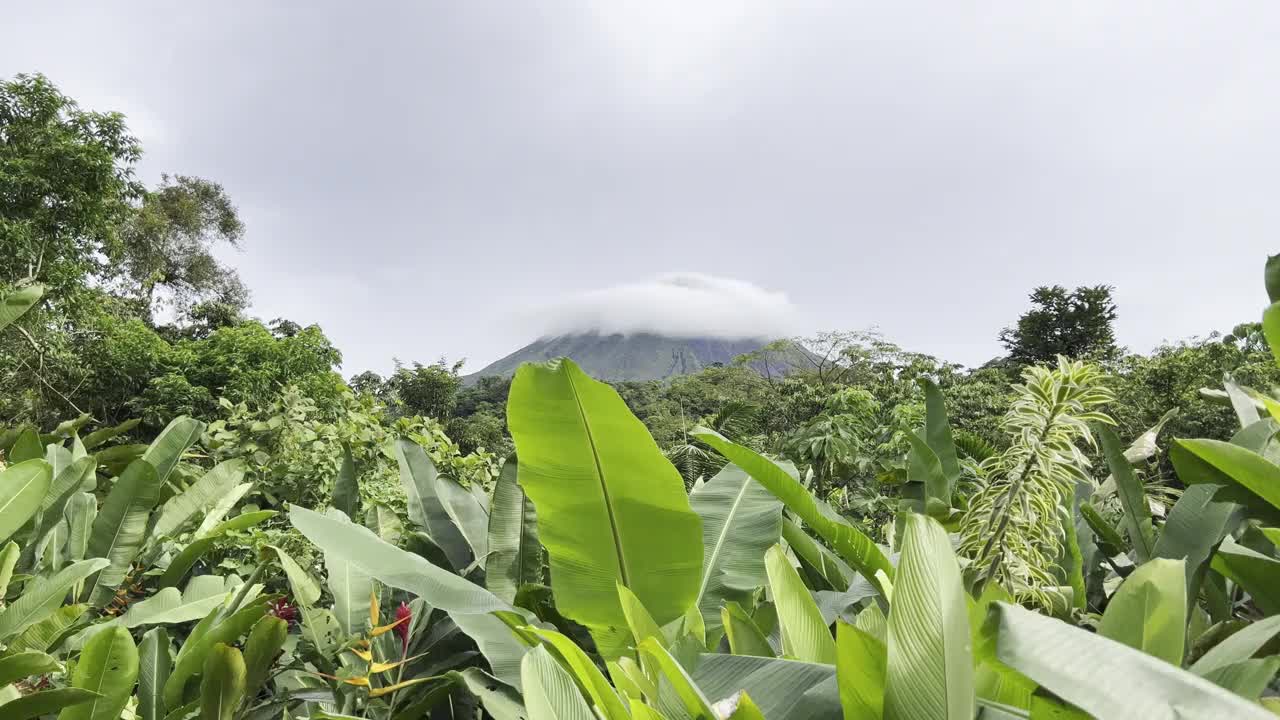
680, 304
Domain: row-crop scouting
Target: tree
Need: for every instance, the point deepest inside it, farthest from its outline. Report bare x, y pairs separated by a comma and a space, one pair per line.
167, 245
66, 183
427, 390
1075, 324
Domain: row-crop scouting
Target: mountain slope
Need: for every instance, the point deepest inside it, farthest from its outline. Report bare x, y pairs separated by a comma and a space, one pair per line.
640, 356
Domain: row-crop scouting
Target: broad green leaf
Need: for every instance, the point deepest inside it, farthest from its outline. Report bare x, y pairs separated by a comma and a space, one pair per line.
640, 622
41, 597
19, 665
351, 590
745, 637
994, 681
223, 682
691, 697
108, 666
154, 665
202, 495
515, 555
549, 690
383, 521
46, 702
166, 450
1195, 526
49, 632
66, 484
18, 302
22, 486
1258, 574
426, 509
225, 504
1247, 678
203, 594
816, 558
1239, 646
1245, 467
930, 664
97, 437
588, 674
1149, 611
266, 639
200, 642
26, 447
938, 433
1108, 679
346, 487
783, 689
501, 701
926, 468
80, 512
603, 490
1137, 514
195, 549
501, 647
860, 667
120, 528
469, 516
8, 560
740, 521
851, 543
805, 636
392, 566
1271, 328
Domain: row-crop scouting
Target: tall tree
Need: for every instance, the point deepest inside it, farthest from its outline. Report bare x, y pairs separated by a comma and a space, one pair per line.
1077, 324
66, 183
167, 247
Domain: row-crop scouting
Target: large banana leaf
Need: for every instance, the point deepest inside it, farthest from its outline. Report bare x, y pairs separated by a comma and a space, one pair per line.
203, 594
515, 555
817, 560
46, 634
1137, 514
265, 641
351, 589
392, 566
930, 663
346, 488
469, 515
97, 437
121, 527
202, 495
426, 508
166, 450
1108, 679
1258, 574
611, 507
16, 666
745, 637
212, 630
22, 487
108, 666
46, 702
740, 521
223, 683
154, 666
41, 597
18, 302
549, 690
588, 674
1240, 646
1149, 611
860, 667
1244, 467
805, 636
200, 545
851, 543
784, 689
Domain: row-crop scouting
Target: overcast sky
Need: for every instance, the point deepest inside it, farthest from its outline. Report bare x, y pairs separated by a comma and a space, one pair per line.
422, 178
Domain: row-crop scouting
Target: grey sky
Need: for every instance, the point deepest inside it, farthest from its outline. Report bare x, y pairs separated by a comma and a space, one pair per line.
415, 176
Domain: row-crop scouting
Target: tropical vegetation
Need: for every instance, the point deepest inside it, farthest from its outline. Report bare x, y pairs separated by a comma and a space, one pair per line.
200, 518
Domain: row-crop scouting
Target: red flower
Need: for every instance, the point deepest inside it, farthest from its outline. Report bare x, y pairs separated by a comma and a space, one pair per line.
283, 610
404, 616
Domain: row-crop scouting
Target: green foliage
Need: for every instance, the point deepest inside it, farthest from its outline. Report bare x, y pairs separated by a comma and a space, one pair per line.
1075, 324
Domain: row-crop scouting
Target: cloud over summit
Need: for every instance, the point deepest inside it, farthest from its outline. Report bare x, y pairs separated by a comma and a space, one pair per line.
679, 304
